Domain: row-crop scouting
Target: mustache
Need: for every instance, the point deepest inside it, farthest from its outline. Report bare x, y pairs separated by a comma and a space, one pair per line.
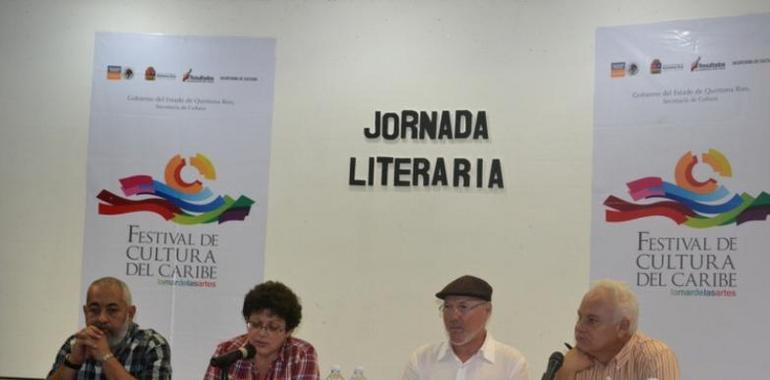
105, 328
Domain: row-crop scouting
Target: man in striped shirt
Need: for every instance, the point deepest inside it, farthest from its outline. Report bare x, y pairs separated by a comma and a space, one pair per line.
608, 345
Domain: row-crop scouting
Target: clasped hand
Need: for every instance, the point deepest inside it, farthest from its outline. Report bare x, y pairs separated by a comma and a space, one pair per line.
90, 343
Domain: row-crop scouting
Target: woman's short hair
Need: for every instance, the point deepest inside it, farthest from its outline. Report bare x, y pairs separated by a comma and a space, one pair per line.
277, 298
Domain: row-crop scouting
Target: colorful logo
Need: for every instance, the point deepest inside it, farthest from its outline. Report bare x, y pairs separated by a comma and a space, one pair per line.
149, 73
701, 66
617, 69
655, 66
176, 200
694, 65
189, 77
633, 69
696, 204
114, 72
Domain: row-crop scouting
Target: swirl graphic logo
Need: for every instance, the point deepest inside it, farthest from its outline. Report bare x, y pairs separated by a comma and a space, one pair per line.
696, 204
176, 200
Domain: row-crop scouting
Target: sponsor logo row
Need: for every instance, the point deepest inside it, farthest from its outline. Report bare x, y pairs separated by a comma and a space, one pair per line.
116, 72
622, 69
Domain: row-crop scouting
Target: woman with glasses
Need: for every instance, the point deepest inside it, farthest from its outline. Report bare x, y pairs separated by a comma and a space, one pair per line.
267, 351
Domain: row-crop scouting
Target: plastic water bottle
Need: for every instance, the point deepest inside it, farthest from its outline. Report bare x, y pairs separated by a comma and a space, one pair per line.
335, 373
358, 374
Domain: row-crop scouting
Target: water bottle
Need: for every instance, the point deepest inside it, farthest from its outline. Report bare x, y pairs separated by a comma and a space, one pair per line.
335, 373
358, 374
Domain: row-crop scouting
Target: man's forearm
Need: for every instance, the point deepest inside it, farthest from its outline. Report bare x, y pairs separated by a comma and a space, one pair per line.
63, 373
113, 370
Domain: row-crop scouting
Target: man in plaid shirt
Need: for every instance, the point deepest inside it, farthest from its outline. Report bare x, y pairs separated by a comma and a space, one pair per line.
112, 346
271, 311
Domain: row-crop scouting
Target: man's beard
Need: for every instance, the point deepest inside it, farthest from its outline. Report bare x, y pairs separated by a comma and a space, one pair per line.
114, 338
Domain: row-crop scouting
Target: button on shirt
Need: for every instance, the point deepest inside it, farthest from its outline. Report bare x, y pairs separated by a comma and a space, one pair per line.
493, 361
642, 358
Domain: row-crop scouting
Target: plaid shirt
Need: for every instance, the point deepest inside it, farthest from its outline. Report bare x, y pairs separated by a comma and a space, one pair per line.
296, 361
145, 354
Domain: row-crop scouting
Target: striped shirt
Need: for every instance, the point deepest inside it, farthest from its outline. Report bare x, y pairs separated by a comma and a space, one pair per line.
642, 358
144, 354
296, 361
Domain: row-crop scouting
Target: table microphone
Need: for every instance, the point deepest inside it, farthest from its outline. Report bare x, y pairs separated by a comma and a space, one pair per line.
224, 361
554, 363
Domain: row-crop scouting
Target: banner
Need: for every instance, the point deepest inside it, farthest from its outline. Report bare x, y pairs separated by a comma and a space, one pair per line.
178, 158
680, 196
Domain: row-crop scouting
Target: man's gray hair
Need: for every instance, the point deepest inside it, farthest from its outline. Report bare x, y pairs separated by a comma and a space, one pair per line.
622, 298
112, 281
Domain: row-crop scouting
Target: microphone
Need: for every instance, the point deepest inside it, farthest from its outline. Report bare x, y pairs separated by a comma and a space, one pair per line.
554, 363
224, 360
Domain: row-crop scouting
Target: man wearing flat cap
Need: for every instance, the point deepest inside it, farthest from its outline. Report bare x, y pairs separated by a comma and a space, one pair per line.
470, 352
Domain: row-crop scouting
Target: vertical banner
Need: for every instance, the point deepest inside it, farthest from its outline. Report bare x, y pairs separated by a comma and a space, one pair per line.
680, 202
178, 160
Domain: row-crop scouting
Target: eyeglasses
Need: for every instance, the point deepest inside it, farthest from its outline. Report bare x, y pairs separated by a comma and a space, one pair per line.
269, 328
462, 308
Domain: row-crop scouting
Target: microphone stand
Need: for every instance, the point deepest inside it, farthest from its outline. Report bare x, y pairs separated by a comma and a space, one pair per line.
223, 372
246, 352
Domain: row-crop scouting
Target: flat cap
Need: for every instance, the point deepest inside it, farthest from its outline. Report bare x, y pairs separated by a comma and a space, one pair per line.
469, 286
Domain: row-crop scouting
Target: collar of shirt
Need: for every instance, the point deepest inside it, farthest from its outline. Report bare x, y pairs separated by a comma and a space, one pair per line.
487, 350
125, 343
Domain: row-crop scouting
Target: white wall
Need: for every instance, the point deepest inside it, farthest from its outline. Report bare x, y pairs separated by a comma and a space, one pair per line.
365, 262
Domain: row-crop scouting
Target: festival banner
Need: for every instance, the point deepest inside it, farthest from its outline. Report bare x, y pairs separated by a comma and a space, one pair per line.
178, 159
680, 198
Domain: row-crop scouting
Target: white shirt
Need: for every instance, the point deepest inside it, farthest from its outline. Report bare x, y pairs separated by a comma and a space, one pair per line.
493, 361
